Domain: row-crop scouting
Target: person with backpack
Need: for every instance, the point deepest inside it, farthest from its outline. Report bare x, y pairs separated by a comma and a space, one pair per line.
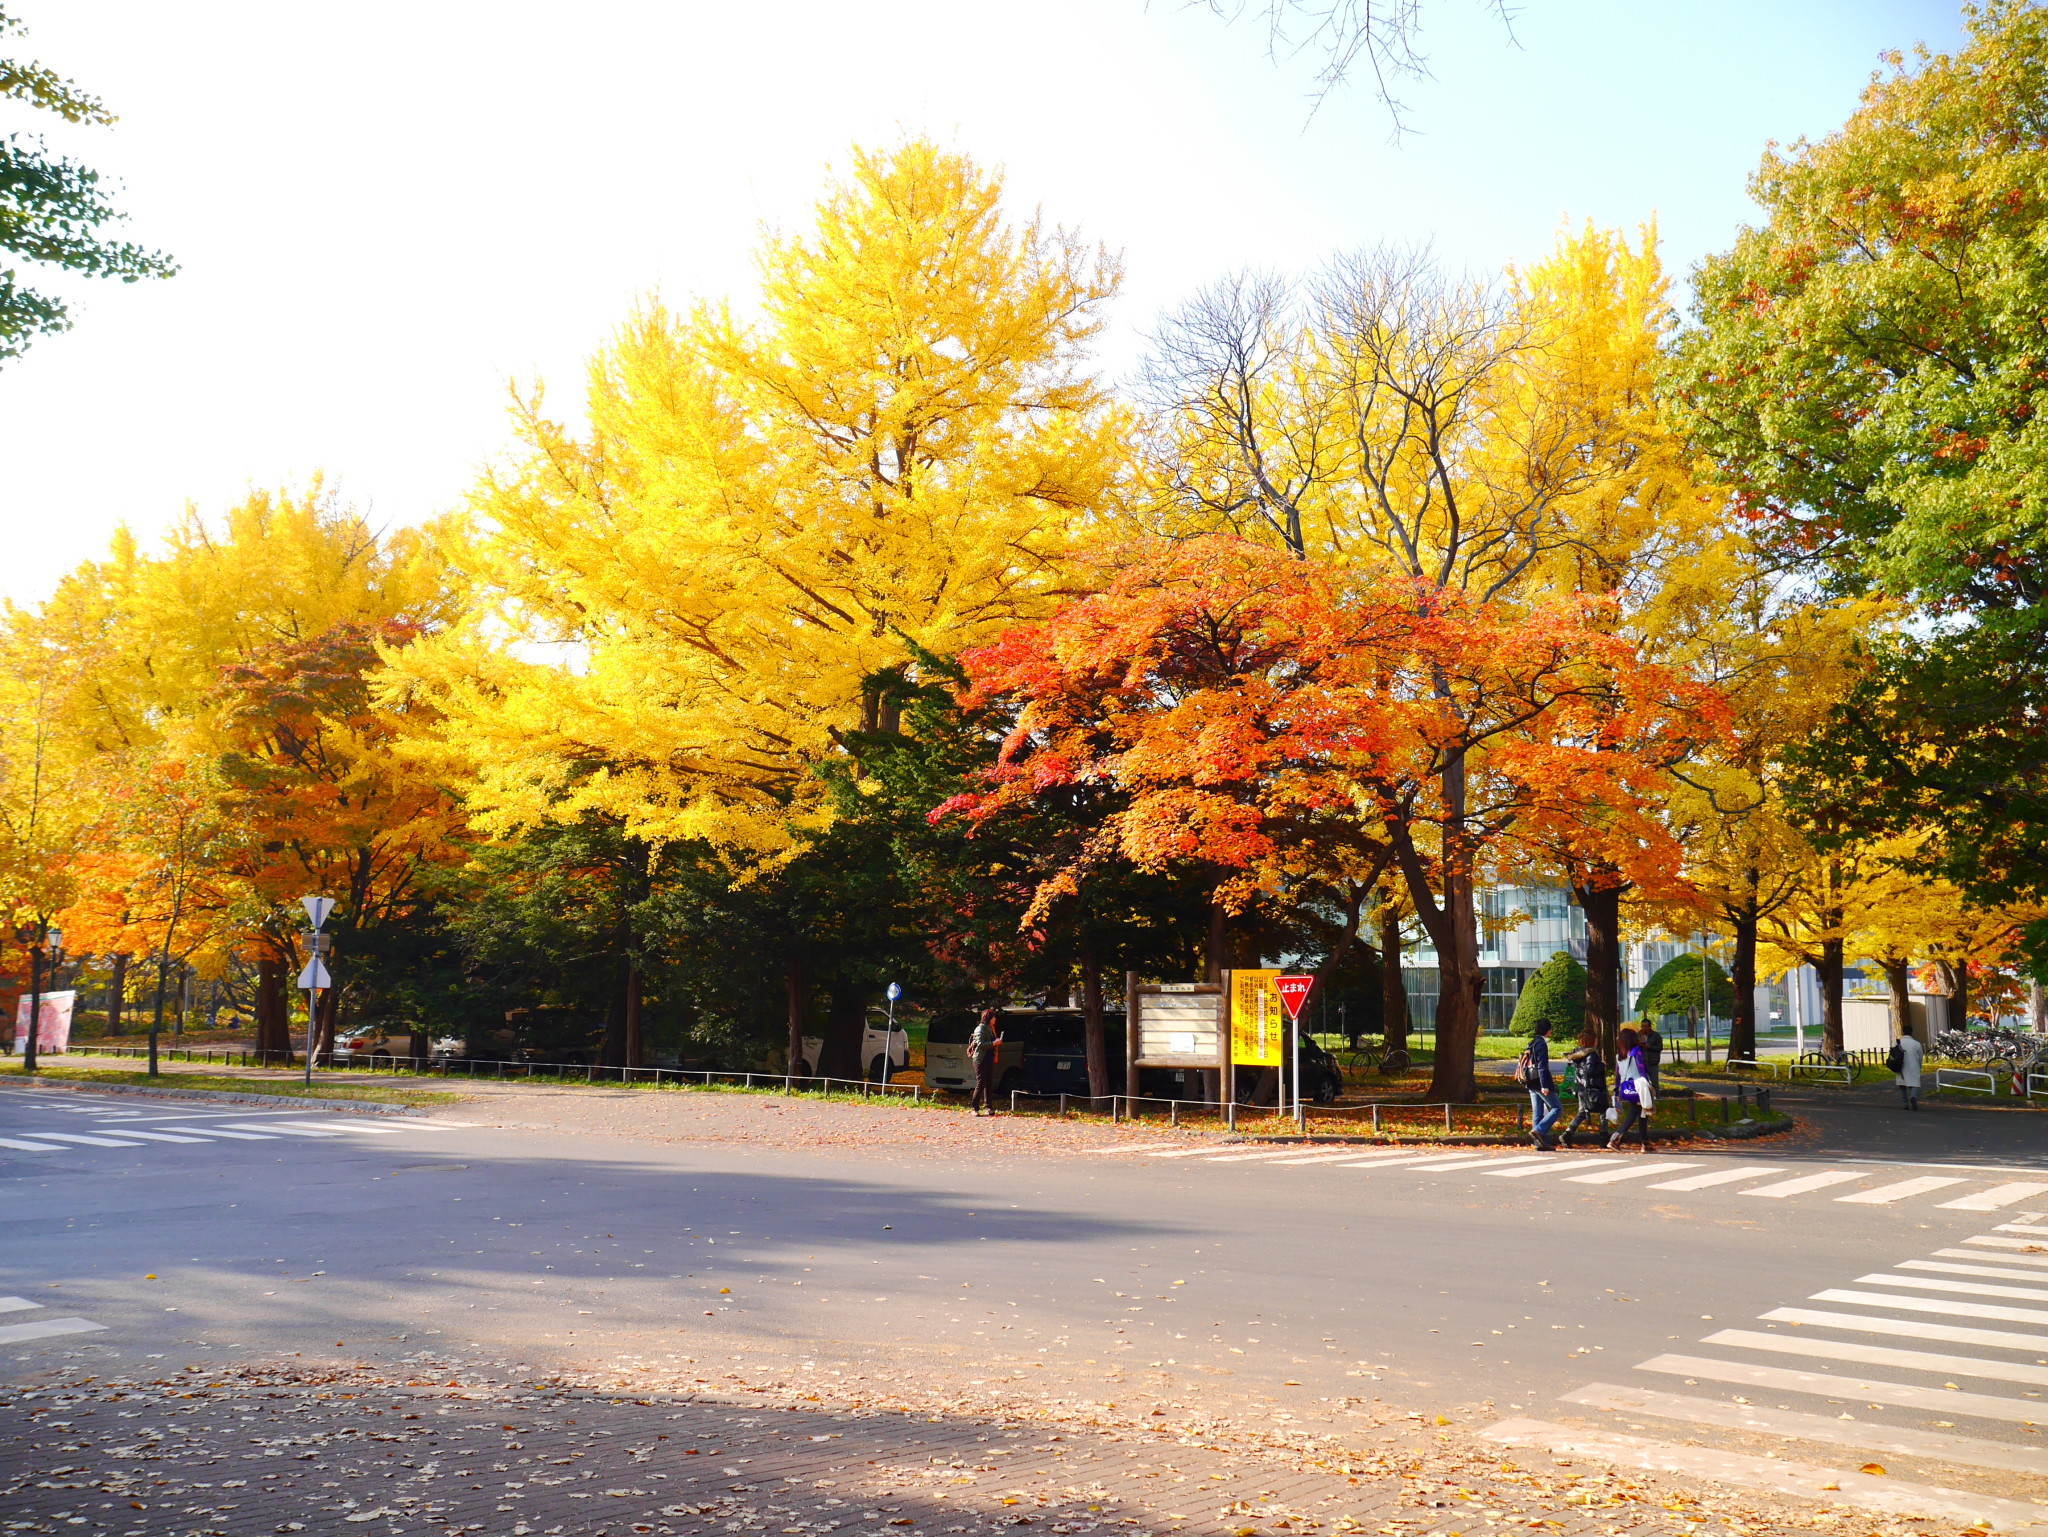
1633, 1094
982, 1047
1906, 1056
1533, 1074
1589, 1071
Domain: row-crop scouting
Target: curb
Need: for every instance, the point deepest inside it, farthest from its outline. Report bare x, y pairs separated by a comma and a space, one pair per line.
224, 1096
1735, 1131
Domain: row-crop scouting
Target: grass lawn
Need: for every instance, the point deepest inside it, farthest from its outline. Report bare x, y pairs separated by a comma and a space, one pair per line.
372, 1091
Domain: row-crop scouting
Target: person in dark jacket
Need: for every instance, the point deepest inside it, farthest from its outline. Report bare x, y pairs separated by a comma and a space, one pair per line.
982, 1046
1652, 1048
1536, 1078
1590, 1068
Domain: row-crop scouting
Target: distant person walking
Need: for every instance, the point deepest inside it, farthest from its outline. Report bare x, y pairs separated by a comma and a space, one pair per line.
981, 1046
1533, 1072
1905, 1059
1633, 1095
1652, 1047
1590, 1069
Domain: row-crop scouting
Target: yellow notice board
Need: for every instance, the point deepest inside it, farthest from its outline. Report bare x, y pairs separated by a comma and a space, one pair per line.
1256, 1016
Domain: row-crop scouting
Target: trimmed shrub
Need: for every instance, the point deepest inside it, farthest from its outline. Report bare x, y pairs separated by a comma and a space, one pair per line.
1675, 989
1557, 993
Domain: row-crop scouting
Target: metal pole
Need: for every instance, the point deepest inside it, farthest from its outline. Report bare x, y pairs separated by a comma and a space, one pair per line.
312, 1019
35, 1001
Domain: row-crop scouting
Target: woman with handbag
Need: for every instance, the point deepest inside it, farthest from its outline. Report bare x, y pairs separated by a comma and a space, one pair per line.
1589, 1070
1633, 1095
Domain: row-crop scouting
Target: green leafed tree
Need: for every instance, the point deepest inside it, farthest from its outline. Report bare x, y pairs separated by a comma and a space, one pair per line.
1675, 989
53, 210
1557, 993
1869, 371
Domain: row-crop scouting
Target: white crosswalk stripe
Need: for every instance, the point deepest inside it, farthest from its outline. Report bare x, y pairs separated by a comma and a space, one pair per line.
39, 1328
30, 1147
1722, 1176
1996, 1197
1858, 1332
72, 1136
1629, 1171
1885, 1194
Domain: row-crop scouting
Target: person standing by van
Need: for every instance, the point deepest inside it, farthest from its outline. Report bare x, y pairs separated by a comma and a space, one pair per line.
982, 1047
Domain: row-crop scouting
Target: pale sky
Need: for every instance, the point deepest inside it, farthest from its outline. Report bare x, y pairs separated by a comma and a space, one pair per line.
389, 212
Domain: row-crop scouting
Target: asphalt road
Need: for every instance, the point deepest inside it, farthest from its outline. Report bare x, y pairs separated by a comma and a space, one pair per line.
1504, 1280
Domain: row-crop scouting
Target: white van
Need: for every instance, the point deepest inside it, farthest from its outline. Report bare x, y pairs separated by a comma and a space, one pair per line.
874, 1040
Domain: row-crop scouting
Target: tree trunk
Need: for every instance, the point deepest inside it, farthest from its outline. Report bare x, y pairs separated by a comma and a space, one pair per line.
273, 1022
1742, 1028
1094, 1036
1831, 968
1898, 977
1216, 949
1602, 907
35, 1011
636, 990
1393, 993
846, 1018
1959, 1000
2037, 1008
793, 983
1452, 1079
611, 1051
117, 993
156, 1018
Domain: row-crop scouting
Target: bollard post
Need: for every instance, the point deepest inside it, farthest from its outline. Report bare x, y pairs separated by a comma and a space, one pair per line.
1063, 1106
1375, 1120
1230, 1116
1447, 1115
1173, 1113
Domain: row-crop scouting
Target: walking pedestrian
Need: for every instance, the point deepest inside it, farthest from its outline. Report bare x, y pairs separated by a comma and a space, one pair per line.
982, 1046
1533, 1073
1906, 1056
1652, 1047
1633, 1095
1589, 1068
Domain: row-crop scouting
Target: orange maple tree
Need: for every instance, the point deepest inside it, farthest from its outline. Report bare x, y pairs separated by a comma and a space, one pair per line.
1269, 718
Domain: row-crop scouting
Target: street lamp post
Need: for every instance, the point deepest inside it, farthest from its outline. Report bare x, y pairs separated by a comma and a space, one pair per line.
889, 1039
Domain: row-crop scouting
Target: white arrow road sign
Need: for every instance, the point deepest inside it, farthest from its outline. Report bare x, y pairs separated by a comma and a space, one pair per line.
315, 975
317, 909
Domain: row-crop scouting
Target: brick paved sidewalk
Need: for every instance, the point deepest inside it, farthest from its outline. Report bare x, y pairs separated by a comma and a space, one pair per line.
298, 1449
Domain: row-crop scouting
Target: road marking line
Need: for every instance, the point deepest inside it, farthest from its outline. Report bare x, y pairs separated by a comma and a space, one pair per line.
1398, 1160
1998, 1272
1910, 1328
1804, 1183
2021, 1227
1985, 1406
1885, 1194
1186, 1152
11, 1334
1553, 1165
1721, 1177
399, 1131
296, 1131
1140, 1147
1802, 1480
16, 1304
1880, 1355
72, 1136
2009, 1243
2002, 1259
1960, 1288
1935, 1305
1636, 1171
236, 1136
1994, 1198
1285, 1152
1453, 1161
1864, 1435
160, 1136
30, 1147
1313, 1158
